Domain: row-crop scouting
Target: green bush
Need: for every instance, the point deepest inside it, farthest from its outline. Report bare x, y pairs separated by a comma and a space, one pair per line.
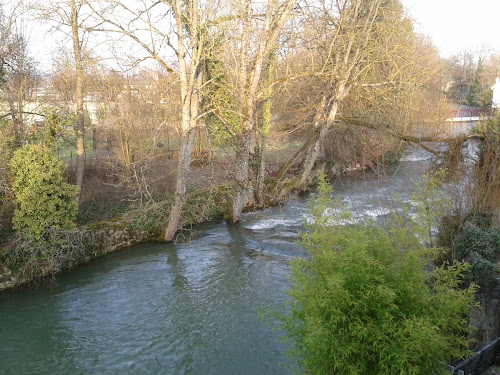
367, 302
477, 241
44, 199
7, 146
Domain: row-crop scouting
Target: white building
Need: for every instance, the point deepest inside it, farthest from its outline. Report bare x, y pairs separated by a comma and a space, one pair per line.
496, 94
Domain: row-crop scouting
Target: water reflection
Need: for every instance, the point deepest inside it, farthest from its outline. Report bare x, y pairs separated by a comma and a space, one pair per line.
179, 280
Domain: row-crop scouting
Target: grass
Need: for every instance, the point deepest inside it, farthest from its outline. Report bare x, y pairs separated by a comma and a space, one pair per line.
65, 149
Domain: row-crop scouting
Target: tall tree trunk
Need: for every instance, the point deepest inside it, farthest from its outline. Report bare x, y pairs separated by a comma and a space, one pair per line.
314, 150
241, 175
264, 130
261, 175
332, 106
183, 164
80, 119
248, 82
190, 82
308, 151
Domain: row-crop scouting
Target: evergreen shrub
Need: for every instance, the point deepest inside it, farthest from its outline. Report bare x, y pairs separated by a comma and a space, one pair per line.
43, 197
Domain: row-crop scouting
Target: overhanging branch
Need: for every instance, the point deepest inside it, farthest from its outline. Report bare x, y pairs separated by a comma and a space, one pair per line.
404, 137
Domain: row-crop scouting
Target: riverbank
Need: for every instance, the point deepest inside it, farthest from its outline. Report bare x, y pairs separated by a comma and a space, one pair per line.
188, 307
185, 307
22, 263
17, 266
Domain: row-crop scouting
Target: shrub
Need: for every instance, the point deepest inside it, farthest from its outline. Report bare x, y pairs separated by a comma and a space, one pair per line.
366, 301
477, 241
43, 198
55, 251
7, 145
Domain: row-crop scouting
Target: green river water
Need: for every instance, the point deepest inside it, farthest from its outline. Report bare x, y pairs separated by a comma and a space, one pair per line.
185, 308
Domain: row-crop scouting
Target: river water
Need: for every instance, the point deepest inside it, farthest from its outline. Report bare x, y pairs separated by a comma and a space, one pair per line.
185, 308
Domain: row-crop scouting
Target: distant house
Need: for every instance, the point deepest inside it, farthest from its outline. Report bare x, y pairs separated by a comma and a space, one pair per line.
464, 113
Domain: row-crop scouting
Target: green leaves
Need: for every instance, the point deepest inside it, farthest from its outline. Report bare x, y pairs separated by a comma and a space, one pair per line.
477, 241
7, 145
44, 199
365, 302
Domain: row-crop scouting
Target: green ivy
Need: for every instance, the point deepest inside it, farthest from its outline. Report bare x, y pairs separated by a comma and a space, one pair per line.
477, 241
44, 199
7, 146
222, 119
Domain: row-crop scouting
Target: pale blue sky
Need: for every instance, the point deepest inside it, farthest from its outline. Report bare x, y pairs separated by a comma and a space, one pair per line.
453, 25
456, 25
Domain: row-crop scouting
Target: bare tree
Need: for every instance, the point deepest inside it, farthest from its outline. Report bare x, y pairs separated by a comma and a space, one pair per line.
471, 74
80, 118
347, 49
72, 18
161, 29
253, 30
352, 47
402, 91
8, 34
17, 68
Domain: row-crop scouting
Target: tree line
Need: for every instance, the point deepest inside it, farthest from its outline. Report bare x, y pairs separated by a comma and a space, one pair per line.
339, 83
228, 75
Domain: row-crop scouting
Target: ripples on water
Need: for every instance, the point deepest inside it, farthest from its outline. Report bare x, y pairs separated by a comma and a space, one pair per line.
189, 308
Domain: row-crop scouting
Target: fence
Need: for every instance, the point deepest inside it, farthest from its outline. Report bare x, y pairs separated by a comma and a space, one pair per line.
479, 362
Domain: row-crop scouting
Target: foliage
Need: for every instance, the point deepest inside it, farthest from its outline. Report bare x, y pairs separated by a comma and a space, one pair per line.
206, 204
102, 207
476, 238
55, 124
149, 217
44, 199
267, 98
201, 206
7, 146
222, 116
472, 73
431, 203
481, 176
56, 250
487, 173
477, 241
365, 302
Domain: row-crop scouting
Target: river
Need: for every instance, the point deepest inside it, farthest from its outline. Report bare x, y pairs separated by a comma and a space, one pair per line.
185, 308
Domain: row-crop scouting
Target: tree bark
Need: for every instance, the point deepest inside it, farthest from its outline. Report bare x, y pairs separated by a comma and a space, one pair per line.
261, 175
183, 164
80, 119
248, 85
241, 176
190, 82
314, 150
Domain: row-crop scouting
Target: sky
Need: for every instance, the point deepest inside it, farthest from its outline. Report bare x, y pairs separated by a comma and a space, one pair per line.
457, 25
453, 26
